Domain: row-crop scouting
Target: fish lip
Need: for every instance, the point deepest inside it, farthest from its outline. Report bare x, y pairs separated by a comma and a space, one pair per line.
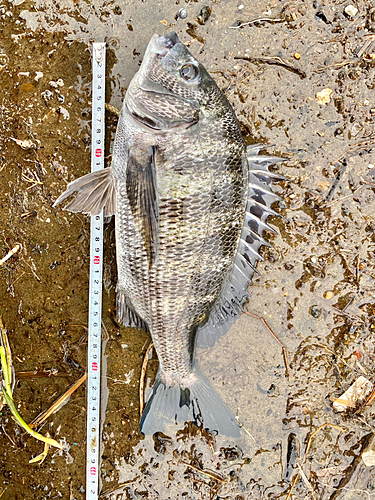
161, 45
153, 91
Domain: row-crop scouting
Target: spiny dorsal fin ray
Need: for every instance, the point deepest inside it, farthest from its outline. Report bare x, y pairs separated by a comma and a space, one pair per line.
95, 191
251, 236
260, 198
245, 248
257, 224
259, 209
263, 162
258, 188
265, 176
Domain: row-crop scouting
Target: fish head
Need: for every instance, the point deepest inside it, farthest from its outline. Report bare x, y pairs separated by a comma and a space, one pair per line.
170, 88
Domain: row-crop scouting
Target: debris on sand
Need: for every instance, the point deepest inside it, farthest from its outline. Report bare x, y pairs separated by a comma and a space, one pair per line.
368, 458
324, 96
350, 11
357, 392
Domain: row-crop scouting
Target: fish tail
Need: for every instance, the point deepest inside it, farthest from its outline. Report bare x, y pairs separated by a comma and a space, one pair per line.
177, 404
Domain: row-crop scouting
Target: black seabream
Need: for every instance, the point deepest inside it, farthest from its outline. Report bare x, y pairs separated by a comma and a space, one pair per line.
190, 202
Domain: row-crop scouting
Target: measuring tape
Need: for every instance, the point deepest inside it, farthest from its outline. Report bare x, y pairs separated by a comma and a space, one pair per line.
96, 277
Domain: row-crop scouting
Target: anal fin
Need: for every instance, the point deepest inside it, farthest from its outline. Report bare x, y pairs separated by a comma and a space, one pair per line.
125, 312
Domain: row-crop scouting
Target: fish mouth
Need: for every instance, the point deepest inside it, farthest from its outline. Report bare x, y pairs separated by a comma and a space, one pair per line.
161, 45
151, 125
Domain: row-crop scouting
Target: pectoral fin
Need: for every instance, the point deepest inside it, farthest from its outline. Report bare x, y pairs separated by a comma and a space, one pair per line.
95, 191
142, 196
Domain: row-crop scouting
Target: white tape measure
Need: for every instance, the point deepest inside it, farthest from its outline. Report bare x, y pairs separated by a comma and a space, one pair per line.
96, 278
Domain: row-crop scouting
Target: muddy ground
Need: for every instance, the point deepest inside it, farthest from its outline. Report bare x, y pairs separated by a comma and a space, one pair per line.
316, 288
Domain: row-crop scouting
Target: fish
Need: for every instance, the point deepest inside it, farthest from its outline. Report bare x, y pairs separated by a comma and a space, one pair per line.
191, 202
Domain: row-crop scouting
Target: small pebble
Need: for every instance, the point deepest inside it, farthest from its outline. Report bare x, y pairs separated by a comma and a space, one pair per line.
182, 14
338, 132
315, 312
351, 11
204, 15
328, 295
320, 15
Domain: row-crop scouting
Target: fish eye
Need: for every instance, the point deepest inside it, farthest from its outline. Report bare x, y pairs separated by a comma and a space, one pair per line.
189, 72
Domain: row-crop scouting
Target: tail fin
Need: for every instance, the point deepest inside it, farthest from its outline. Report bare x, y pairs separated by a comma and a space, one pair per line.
197, 403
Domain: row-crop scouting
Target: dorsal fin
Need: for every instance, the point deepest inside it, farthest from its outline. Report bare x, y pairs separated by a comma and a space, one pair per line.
260, 198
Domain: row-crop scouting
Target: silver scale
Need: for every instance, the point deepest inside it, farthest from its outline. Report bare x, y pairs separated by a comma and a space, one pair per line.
96, 277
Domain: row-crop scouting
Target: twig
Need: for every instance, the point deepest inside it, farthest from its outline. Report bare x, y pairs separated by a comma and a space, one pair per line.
285, 354
364, 47
339, 65
41, 374
336, 182
32, 181
9, 437
58, 403
305, 480
338, 200
274, 60
14, 250
113, 109
48, 114
205, 473
366, 423
142, 377
259, 20
361, 145
200, 48
307, 451
119, 486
